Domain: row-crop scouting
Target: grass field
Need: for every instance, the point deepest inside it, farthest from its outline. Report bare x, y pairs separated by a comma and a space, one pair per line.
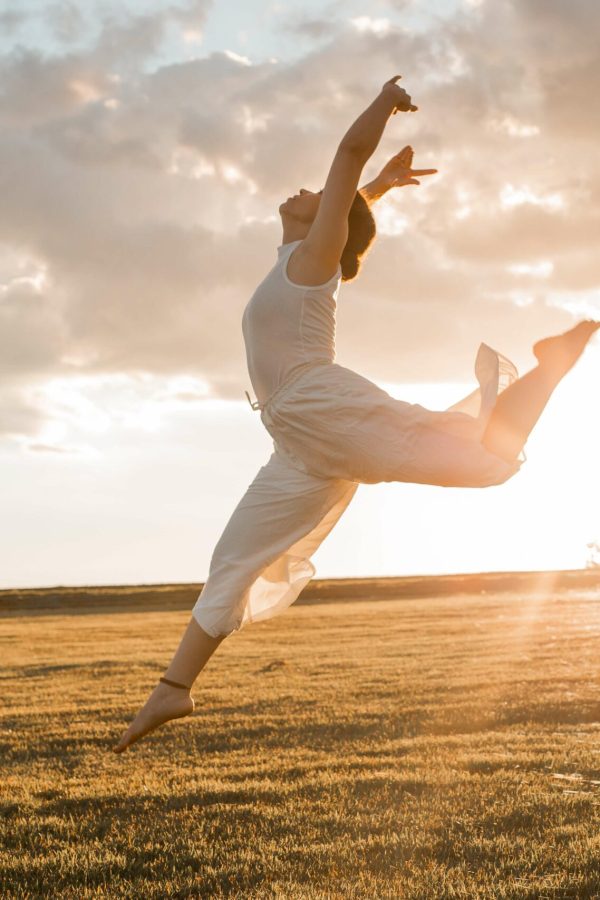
424, 747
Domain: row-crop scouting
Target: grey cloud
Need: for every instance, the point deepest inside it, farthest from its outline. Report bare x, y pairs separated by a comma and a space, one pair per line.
523, 233
312, 28
90, 138
34, 89
11, 19
65, 21
127, 39
32, 333
210, 135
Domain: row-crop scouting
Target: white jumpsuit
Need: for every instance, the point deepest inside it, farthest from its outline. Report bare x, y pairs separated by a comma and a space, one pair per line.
332, 430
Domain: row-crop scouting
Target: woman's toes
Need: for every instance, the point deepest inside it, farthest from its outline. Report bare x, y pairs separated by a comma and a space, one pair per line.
123, 743
136, 730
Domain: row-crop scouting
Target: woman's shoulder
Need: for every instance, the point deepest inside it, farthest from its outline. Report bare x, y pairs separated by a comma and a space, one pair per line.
300, 271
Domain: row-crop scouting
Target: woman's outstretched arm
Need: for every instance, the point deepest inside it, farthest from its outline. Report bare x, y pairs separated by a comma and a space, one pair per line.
320, 252
397, 172
364, 134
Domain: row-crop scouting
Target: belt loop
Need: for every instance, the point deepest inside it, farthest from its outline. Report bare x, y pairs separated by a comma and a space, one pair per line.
256, 404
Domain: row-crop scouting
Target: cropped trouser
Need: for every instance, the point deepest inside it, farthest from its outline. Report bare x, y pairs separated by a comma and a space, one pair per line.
261, 562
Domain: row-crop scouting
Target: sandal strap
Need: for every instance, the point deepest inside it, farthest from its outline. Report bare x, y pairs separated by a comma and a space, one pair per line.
174, 683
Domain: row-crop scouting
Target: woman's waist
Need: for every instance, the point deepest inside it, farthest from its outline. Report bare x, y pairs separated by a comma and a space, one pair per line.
291, 377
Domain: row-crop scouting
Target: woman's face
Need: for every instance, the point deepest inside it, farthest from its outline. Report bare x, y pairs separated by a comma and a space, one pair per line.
303, 206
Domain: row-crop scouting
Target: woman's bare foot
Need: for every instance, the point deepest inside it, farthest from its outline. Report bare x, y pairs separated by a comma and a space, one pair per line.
165, 703
560, 352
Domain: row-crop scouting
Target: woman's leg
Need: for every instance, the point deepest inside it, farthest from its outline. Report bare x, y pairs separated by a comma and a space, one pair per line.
194, 651
167, 702
282, 510
520, 405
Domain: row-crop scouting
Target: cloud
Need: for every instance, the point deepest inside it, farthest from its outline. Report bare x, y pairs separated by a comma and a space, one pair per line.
11, 20
65, 21
18, 417
149, 194
36, 447
311, 28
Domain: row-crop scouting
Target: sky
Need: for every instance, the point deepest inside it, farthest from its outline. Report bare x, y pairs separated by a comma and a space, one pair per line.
144, 152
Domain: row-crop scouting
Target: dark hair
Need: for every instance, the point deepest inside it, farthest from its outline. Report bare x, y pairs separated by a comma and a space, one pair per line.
361, 233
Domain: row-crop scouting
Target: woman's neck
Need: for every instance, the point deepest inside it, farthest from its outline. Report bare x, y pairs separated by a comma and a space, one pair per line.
294, 232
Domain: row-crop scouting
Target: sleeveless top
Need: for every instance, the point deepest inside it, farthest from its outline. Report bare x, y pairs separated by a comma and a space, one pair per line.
287, 325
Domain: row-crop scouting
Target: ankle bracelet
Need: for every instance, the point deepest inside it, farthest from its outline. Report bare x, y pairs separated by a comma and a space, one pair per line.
175, 683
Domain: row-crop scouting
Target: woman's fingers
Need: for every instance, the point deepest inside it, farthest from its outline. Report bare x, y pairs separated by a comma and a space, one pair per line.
423, 171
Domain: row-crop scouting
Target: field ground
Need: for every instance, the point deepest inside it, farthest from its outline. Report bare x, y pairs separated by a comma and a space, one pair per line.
398, 747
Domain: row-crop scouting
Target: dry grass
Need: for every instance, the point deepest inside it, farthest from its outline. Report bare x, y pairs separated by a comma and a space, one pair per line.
412, 748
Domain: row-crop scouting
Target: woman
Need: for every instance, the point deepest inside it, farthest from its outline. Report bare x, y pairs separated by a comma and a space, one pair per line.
333, 429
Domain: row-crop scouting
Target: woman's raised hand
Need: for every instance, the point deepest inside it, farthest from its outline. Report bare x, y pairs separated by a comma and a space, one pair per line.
402, 99
397, 171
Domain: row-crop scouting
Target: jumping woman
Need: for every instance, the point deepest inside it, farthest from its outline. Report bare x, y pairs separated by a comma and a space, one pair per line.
332, 429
